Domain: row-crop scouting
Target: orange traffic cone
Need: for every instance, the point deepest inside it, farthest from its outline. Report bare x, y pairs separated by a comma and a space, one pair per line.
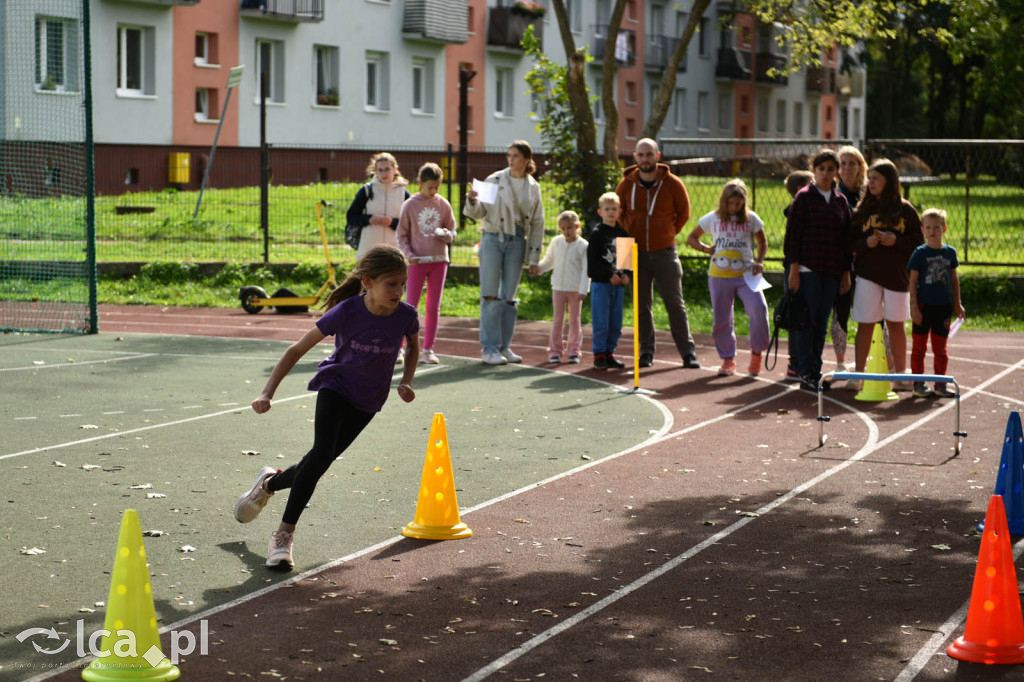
995, 627
437, 510
131, 648
877, 390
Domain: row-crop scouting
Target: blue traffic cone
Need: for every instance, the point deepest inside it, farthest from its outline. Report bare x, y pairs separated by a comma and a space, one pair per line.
1010, 481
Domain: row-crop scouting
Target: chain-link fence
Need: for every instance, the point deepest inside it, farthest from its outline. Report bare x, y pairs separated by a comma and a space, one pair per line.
146, 204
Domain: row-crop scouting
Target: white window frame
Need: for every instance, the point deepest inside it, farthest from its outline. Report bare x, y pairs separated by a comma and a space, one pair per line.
598, 107
703, 43
274, 68
573, 11
798, 118
325, 74
504, 97
202, 109
815, 113
66, 79
375, 95
725, 111
143, 59
702, 111
679, 109
780, 116
422, 79
763, 114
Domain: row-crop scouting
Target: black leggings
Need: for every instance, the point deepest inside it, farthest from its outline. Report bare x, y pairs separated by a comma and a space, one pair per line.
336, 425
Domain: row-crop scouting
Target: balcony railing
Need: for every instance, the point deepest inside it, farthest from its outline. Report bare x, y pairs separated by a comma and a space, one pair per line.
506, 27
732, 64
625, 45
657, 51
821, 79
437, 21
766, 62
284, 10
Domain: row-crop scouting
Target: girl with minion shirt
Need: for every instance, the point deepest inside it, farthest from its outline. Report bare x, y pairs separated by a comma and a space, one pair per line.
734, 230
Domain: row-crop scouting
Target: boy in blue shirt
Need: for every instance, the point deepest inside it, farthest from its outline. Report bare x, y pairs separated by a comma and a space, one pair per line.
934, 297
607, 283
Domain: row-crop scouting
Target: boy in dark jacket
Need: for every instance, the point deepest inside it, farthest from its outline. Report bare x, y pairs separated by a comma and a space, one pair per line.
607, 282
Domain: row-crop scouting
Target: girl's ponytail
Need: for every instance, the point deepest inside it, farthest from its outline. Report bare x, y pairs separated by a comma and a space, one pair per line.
377, 262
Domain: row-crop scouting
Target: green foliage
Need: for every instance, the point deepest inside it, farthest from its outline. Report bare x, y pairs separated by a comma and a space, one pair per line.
168, 272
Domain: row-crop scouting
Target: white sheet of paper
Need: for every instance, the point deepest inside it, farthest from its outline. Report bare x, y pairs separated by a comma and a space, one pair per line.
955, 326
486, 192
624, 253
755, 282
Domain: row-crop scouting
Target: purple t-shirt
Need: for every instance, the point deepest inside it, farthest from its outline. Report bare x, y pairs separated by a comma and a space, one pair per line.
365, 349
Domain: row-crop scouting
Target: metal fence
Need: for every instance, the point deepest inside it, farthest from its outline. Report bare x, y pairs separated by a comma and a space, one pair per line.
142, 216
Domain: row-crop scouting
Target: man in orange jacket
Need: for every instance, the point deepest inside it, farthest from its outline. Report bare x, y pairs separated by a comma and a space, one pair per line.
655, 207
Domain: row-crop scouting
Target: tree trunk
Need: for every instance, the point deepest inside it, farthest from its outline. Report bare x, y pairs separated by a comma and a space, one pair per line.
668, 80
608, 71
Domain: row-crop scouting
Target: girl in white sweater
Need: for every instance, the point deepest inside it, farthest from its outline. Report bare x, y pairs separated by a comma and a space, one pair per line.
567, 257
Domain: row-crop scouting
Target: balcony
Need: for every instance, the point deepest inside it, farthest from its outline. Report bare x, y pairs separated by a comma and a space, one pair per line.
766, 61
292, 11
625, 45
821, 79
732, 64
658, 50
436, 21
506, 27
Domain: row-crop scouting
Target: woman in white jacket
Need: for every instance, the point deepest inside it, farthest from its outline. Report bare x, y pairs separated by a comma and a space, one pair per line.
378, 204
513, 235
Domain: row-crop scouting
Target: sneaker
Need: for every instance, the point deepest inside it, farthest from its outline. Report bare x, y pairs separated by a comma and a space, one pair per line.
600, 361
852, 385
691, 362
574, 359
942, 391
921, 390
841, 367
279, 553
792, 374
903, 385
646, 359
556, 360
510, 356
252, 503
493, 358
728, 367
400, 360
429, 357
613, 362
754, 368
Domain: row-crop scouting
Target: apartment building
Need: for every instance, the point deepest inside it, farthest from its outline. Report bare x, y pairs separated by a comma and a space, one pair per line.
368, 74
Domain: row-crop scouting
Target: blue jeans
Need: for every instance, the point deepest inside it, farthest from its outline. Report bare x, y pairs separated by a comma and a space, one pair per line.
606, 316
819, 293
501, 268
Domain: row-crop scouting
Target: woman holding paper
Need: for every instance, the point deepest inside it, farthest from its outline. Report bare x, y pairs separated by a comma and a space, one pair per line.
512, 222
734, 230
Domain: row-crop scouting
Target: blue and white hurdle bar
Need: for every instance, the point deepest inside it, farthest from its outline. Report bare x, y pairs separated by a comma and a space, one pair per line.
868, 376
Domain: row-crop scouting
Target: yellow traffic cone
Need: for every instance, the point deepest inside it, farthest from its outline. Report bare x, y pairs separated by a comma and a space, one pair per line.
131, 648
437, 510
877, 390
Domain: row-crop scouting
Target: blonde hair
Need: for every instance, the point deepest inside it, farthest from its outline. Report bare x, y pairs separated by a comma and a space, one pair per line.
936, 213
569, 217
380, 261
382, 156
862, 174
609, 198
733, 188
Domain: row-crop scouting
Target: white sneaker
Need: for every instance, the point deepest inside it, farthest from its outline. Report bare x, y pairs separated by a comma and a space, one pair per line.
493, 358
429, 358
400, 360
841, 367
280, 550
252, 503
510, 356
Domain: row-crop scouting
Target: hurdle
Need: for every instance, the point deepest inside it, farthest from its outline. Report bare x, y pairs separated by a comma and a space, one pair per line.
958, 435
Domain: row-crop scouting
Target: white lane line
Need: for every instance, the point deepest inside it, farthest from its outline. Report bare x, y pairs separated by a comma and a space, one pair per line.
868, 448
19, 419
113, 412
935, 642
76, 364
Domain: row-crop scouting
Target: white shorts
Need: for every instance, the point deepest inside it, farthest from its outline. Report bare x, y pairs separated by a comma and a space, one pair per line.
873, 303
